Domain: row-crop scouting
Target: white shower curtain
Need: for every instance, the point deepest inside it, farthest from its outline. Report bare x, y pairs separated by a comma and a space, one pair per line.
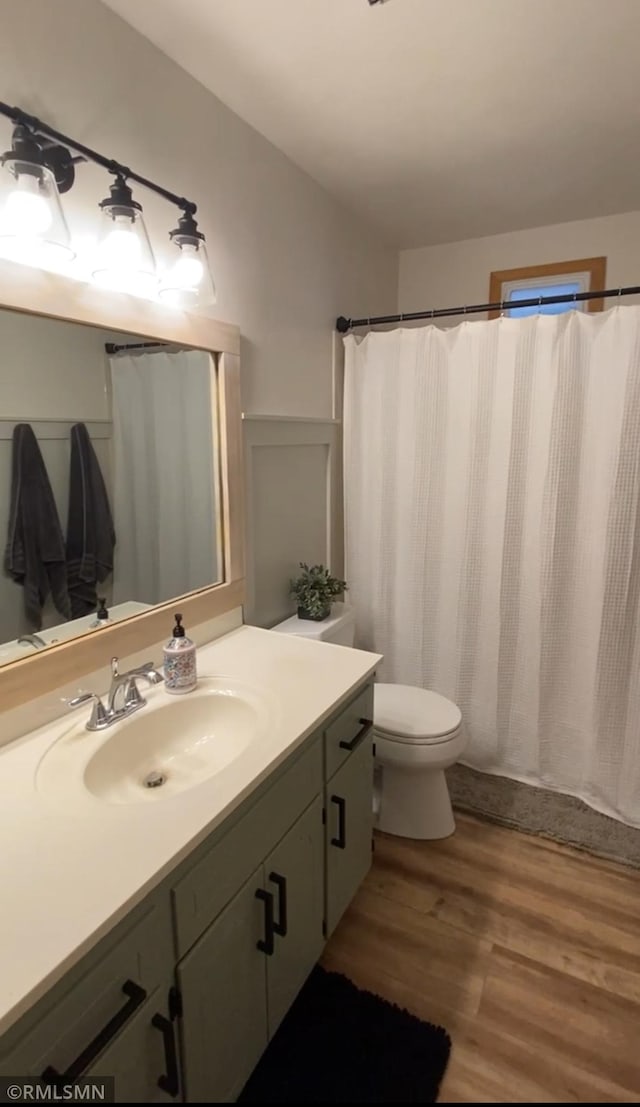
164, 485
492, 484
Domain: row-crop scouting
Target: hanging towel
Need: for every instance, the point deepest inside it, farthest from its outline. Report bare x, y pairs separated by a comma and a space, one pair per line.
35, 553
90, 534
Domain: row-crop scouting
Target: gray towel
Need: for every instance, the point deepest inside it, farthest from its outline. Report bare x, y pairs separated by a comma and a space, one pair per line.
90, 534
35, 553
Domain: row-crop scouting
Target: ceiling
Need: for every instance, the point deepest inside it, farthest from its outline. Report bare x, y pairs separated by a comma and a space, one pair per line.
435, 120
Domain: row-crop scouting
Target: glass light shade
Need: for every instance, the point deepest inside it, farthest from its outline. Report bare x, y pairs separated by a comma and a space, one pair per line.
188, 283
124, 260
33, 229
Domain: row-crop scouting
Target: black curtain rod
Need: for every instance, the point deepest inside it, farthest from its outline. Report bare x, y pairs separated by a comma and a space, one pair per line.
343, 324
113, 348
17, 115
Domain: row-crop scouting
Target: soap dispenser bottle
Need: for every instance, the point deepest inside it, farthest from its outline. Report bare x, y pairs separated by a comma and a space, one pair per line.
180, 674
102, 615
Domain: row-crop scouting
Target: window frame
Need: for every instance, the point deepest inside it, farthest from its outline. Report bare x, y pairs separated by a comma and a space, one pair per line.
553, 272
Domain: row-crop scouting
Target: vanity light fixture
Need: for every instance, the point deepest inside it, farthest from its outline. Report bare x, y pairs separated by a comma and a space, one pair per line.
33, 228
39, 167
124, 259
188, 283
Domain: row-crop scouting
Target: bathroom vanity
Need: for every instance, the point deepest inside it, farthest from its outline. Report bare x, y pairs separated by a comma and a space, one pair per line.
160, 937
159, 934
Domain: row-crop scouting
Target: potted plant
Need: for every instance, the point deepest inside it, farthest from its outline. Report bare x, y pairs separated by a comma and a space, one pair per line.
314, 590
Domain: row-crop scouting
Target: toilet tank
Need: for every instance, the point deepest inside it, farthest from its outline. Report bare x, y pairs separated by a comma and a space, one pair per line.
339, 628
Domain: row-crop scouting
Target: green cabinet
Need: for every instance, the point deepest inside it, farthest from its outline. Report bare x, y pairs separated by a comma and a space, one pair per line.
243, 974
143, 1057
295, 871
224, 1001
348, 829
108, 1016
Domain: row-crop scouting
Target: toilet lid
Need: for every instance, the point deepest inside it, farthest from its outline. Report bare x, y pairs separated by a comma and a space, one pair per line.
413, 714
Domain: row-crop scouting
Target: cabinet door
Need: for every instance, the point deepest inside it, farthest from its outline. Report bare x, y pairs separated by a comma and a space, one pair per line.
143, 1057
294, 874
349, 824
223, 985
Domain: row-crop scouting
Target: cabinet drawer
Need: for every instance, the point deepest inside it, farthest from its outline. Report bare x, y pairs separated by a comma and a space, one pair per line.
206, 889
348, 730
137, 957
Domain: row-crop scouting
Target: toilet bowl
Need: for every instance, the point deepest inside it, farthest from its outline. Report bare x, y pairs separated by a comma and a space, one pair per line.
417, 734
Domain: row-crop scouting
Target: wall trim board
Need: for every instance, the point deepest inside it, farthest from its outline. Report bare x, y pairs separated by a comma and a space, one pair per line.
337, 376
291, 447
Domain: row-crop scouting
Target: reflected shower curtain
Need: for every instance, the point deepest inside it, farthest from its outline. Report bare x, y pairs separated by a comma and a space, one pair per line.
164, 488
492, 486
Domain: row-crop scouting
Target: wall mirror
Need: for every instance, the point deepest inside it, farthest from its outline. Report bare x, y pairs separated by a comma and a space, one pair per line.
120, 476
109, 478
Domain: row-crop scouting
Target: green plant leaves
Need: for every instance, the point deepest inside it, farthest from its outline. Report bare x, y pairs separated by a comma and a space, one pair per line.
315, 588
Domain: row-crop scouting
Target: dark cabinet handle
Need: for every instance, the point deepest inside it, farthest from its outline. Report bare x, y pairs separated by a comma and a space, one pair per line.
168, 1081
366, 725
265, 945
280, 927
341, 840
136, 996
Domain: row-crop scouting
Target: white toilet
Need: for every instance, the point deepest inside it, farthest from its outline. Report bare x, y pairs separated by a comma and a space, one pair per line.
418, 734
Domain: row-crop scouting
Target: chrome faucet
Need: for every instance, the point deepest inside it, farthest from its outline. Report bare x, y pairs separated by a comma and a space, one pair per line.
123, 698
124, 694
33, 640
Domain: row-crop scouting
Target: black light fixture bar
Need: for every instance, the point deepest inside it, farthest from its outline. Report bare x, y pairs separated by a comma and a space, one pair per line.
343, 325
18, 116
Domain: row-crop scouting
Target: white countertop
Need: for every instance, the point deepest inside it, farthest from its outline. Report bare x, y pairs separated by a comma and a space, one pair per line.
70, 873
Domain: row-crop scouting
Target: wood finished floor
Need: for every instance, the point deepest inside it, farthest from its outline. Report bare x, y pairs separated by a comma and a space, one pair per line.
528, 953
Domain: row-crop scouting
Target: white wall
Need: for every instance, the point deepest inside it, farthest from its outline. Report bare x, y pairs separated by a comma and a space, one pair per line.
457, 273
287, 258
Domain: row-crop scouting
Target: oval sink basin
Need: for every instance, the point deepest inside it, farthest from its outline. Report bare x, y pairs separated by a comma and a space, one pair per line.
170, 745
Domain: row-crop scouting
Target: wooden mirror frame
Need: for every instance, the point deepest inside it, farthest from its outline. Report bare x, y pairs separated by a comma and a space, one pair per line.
34, 292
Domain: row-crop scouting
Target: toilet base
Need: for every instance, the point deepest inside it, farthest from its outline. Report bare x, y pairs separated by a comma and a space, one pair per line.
414, 804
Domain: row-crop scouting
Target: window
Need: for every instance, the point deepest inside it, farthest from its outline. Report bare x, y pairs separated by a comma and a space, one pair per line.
560, 278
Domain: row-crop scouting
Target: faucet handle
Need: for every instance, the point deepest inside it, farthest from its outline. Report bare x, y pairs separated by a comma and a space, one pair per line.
115, 672
77, 701
149, 671
98, 718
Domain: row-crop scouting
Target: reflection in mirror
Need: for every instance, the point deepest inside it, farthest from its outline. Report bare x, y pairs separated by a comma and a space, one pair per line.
108, 478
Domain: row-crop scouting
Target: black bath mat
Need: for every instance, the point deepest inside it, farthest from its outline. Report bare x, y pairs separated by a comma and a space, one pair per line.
340, 1045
